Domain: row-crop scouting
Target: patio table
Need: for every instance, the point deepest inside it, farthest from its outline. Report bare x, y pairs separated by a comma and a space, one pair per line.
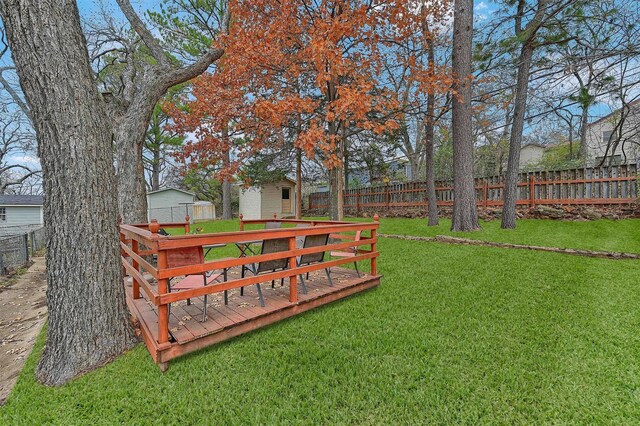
210, 247
246, 249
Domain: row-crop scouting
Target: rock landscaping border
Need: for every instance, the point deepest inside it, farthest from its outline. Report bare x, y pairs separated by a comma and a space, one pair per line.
466, 241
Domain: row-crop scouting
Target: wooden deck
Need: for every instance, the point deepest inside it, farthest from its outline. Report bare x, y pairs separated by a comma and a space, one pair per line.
243, 314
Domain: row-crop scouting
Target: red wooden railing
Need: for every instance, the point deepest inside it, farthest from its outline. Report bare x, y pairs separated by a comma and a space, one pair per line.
139, 240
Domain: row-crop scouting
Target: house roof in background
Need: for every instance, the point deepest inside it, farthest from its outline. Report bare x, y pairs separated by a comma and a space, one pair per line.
170, 188
537, 145
631, 104
21, 200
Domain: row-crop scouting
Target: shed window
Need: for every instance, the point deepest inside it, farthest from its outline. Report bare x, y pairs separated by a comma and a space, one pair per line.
286, 193
606, 135
3, 214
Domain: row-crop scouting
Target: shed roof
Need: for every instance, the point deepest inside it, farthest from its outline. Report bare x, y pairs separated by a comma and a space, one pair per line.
171, 188
21, 200
285, 179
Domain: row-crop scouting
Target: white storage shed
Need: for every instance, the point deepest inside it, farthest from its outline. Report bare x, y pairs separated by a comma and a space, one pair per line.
264, 201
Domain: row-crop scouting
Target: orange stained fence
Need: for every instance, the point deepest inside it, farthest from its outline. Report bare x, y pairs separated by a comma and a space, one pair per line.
612, 185
141, 243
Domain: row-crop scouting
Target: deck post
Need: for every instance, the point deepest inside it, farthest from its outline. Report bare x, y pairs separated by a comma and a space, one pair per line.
485, 194
532, 192
163, 287
241, 222
187, 224
136, 286
374, 262
293, 279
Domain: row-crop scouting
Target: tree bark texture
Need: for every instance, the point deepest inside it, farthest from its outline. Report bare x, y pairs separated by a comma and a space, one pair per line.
336, 188
465, 214
155, 147
155, 170
88, 319
335, 194
129, 137
429, 136
432, 198
515, 141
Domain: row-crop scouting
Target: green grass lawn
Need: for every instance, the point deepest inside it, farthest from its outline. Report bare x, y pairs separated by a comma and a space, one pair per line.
605, 235
454, 334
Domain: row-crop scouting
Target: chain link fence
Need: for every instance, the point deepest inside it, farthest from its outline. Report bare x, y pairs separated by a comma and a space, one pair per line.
170, 214
17, 249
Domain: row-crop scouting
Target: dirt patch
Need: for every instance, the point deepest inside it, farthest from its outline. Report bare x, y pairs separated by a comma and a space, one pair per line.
23, 311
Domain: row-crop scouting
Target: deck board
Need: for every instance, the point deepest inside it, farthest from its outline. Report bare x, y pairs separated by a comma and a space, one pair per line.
242, 314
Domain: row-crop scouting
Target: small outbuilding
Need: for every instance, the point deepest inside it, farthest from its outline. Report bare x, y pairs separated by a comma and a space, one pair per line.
203, 211
20, 213
531, 153
170, 204
262, 202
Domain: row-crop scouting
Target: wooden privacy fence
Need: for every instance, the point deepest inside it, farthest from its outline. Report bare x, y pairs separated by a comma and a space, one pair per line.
139, 243
589, 186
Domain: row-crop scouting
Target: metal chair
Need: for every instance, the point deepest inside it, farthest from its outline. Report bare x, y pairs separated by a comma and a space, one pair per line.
270, 246
246, 248
307, 259
193, 256
300, 239
350, 252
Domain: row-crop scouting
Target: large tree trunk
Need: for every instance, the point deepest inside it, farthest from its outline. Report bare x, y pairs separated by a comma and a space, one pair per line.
429, 136
345, 162
515, 142
129, 137
129, 131
227, 212
336, 188
88, 319
335, 193
465, 214
298, 183
155, 149
432, 198
155, 170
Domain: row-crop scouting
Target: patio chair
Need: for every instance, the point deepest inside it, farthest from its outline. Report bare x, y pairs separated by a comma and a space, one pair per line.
247, 248
270, 246
349, 252
300, 239
193, 256
307, 259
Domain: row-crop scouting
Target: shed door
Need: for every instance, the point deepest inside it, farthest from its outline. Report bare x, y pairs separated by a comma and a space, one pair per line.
286, 200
